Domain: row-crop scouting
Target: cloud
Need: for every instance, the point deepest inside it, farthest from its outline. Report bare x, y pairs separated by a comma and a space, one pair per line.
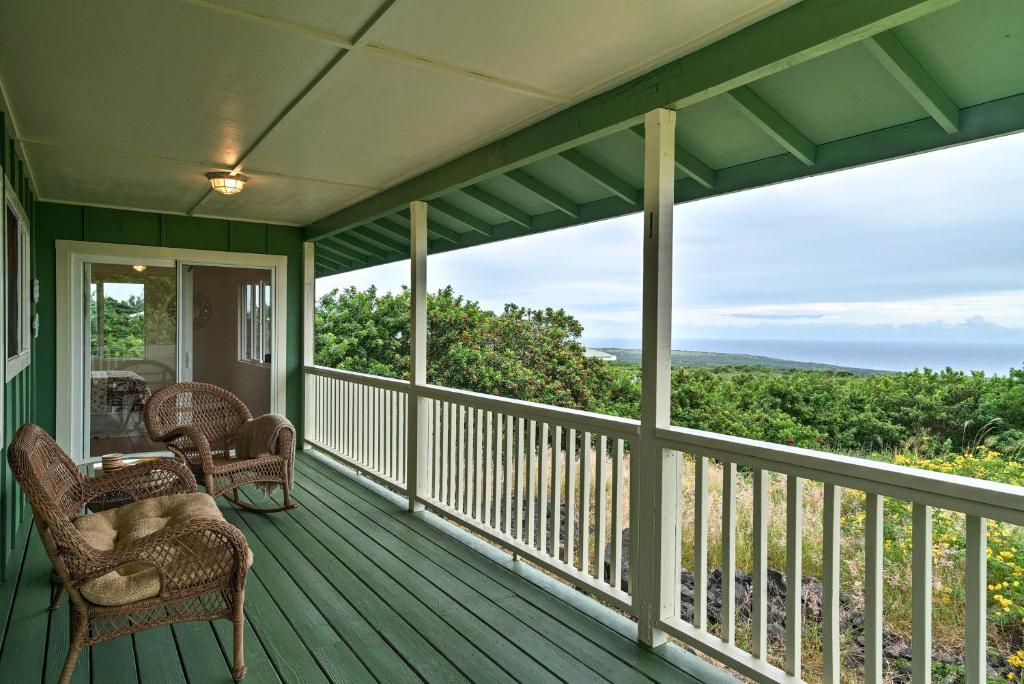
777, 316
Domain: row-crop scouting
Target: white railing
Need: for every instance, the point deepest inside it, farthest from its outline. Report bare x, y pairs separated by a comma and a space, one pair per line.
361, 419
553, 486
978, 500
549, 484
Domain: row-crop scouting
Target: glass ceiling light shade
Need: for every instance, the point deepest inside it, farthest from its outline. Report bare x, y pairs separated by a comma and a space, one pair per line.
139, 268
227, 183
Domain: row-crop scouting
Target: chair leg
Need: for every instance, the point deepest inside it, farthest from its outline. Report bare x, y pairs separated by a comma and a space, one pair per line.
79, 625
56, 591
239, 669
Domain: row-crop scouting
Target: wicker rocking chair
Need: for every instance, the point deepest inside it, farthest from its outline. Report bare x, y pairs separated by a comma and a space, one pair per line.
200, 423
167, 556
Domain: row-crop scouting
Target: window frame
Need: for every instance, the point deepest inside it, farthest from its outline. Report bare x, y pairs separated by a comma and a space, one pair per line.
255, 323
18, 362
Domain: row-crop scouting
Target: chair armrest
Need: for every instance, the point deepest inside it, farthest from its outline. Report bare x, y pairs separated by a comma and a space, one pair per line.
143, 481
196, 555
186, 436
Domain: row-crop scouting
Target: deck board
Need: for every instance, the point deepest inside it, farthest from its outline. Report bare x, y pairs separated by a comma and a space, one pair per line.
347, 588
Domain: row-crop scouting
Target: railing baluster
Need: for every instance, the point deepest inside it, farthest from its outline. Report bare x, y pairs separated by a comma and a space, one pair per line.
584, 541
462, 458
600, 509
477, 464
556, 493
759, 628
531, 486
830, 586
617, 522
451, 418
570, 499
488, 470
520, 455
700, 542
542, 476
921, 593
728, 552
509, 462
794, 571
873, 549
975, 659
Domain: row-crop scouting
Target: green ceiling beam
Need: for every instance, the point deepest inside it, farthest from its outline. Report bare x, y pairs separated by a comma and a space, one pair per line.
393, 229
909, 73
773, 123
687, 163
799, 33
464, 217
602, 176
323, 260
368, 248
544, 192
437, 230
499, 205
336, 254
384, 241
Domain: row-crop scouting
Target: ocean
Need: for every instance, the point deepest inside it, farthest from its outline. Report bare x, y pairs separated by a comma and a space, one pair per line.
994, 358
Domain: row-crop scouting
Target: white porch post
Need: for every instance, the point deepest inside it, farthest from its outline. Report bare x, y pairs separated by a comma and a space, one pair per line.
417, 426
655, 534
308, 342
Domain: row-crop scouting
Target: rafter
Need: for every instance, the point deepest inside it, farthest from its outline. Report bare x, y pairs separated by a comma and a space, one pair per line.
773, 123
336, 254
544, 192
792, 36
384, 241
602, 176
463, 217
909, 73
437, 230
393, 229
499, 205
350, 240
687, 163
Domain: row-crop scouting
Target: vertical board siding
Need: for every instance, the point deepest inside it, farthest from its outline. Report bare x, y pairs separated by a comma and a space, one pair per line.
19, 394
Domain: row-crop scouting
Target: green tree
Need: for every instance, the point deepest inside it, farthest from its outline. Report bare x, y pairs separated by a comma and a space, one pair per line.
520, 353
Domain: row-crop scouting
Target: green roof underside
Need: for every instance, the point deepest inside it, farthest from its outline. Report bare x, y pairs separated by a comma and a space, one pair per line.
821, 86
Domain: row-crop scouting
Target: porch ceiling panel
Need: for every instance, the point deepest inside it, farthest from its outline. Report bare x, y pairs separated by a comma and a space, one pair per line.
279, 199
567, 47
374, 120
80, 175
163, 79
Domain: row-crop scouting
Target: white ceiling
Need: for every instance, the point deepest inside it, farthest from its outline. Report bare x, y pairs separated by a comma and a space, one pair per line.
128, 103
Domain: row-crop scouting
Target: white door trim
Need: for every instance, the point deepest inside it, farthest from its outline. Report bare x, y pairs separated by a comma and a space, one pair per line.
70, 371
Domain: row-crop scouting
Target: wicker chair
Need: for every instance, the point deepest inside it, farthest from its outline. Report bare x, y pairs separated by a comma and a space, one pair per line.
199, 423
129, 569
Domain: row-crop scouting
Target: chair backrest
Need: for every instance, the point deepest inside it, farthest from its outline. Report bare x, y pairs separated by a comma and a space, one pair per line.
214, 411
54, 485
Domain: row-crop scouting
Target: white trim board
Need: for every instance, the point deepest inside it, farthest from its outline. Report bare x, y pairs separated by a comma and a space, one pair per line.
70, 371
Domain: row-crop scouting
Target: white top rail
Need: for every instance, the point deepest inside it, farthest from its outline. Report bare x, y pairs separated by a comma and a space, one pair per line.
611, 426
964, 494
360, 378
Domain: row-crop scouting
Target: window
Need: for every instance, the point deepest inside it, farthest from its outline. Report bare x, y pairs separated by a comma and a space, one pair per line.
255, 332
17, 263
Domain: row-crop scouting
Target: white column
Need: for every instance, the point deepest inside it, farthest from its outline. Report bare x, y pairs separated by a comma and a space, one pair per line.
308, 341
655, 533
417, 426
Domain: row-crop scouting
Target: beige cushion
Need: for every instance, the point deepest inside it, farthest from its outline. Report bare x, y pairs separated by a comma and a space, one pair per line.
118, 527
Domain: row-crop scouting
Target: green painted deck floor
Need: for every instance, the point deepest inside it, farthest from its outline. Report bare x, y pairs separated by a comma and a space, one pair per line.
350, 587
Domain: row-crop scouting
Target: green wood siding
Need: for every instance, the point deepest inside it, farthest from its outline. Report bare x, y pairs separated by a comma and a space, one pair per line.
72, 222
19, 396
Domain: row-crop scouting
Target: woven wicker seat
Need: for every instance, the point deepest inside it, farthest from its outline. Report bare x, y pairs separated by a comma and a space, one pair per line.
200, 423
190, 566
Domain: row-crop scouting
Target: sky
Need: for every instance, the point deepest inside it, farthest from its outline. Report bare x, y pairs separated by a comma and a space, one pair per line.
928, 248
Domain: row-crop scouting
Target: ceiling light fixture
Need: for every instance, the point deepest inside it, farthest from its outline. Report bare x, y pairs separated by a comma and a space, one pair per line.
227, 183
139, 268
